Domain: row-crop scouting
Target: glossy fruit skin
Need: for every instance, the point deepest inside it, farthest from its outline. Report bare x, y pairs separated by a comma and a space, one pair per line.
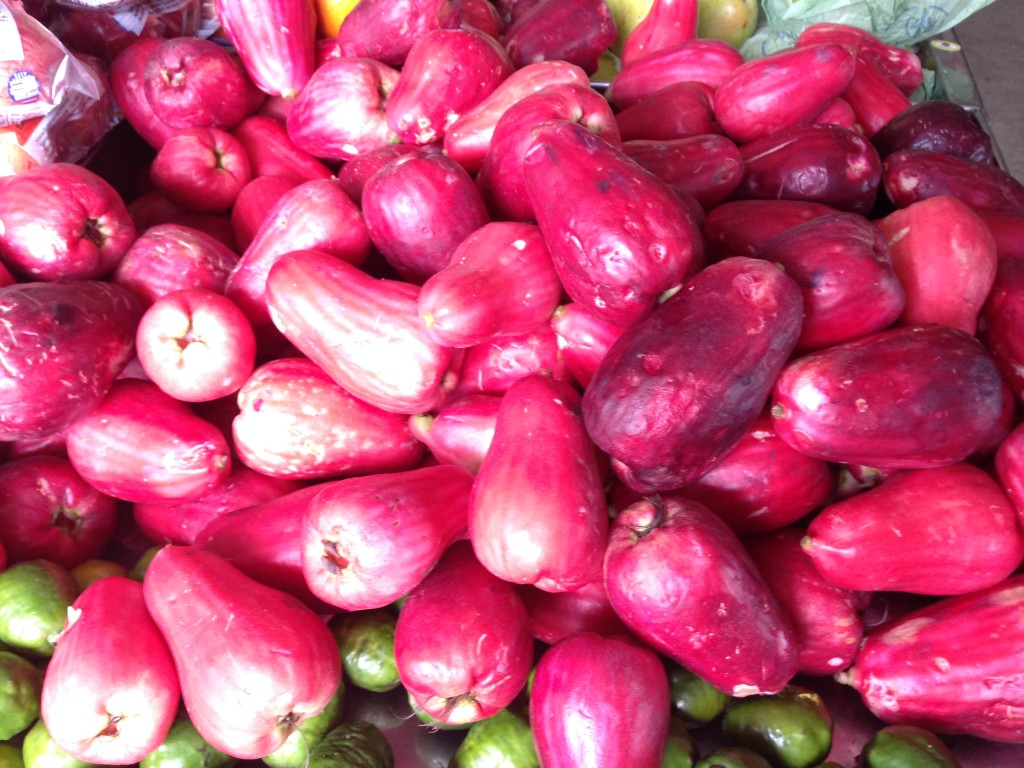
63, 222
103, 713
942, 284
910, 175
34, 598
92, 324
847, 273
928, 669
936, 124
295, 421
273, 152
499, 280
48, 511
782, 90
418, 208
468, 139
874, 99
263, 540
128, 86
316, 214
872, 422
902, 66
460, 431
556, 615
674, 552
667, 22
673, 112
501, 177
763, 483
709, 167
339, 113
826, 617
888, 538
791, 728
906, 745
742, 318
178, 521
1001, 317
743, 227
583, 339
462, 643
446, 72
537, 512
711, 62
599, 701
825, 164
538, 34
386, 31
275, 40
217, 622
492, 366
612, 258
366, 541
344, 320
140, 444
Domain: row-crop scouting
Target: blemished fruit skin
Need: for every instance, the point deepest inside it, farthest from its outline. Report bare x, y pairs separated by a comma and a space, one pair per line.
90, 323
614, 255
680, 388
599, 701
928, 668
218, 623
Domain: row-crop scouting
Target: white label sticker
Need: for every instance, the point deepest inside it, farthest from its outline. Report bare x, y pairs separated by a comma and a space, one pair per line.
23, 87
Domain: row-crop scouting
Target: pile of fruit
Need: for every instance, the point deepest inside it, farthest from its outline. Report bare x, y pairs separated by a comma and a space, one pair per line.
604, 426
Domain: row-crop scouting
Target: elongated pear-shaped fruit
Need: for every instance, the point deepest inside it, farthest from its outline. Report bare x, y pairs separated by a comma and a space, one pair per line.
253, 661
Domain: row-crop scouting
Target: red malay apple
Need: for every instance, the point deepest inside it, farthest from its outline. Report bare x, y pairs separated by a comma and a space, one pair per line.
254, 202
385, 30
460, 431
275, 40
48, 511
537, 514
492, 366
349, 323
539, 33
447, 72
600, 701
369, 540
191, 82
171, 257
463, 645
91, 327
141, 444
273, 153
500, 280
219, 625
667, 556
316, 214
201, 169
295, 421
418, 208
128, 85
62, 222
98, 710
340, 112
467, 140
196, 345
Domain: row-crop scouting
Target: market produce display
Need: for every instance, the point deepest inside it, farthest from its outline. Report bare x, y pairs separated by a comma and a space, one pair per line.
487, 383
